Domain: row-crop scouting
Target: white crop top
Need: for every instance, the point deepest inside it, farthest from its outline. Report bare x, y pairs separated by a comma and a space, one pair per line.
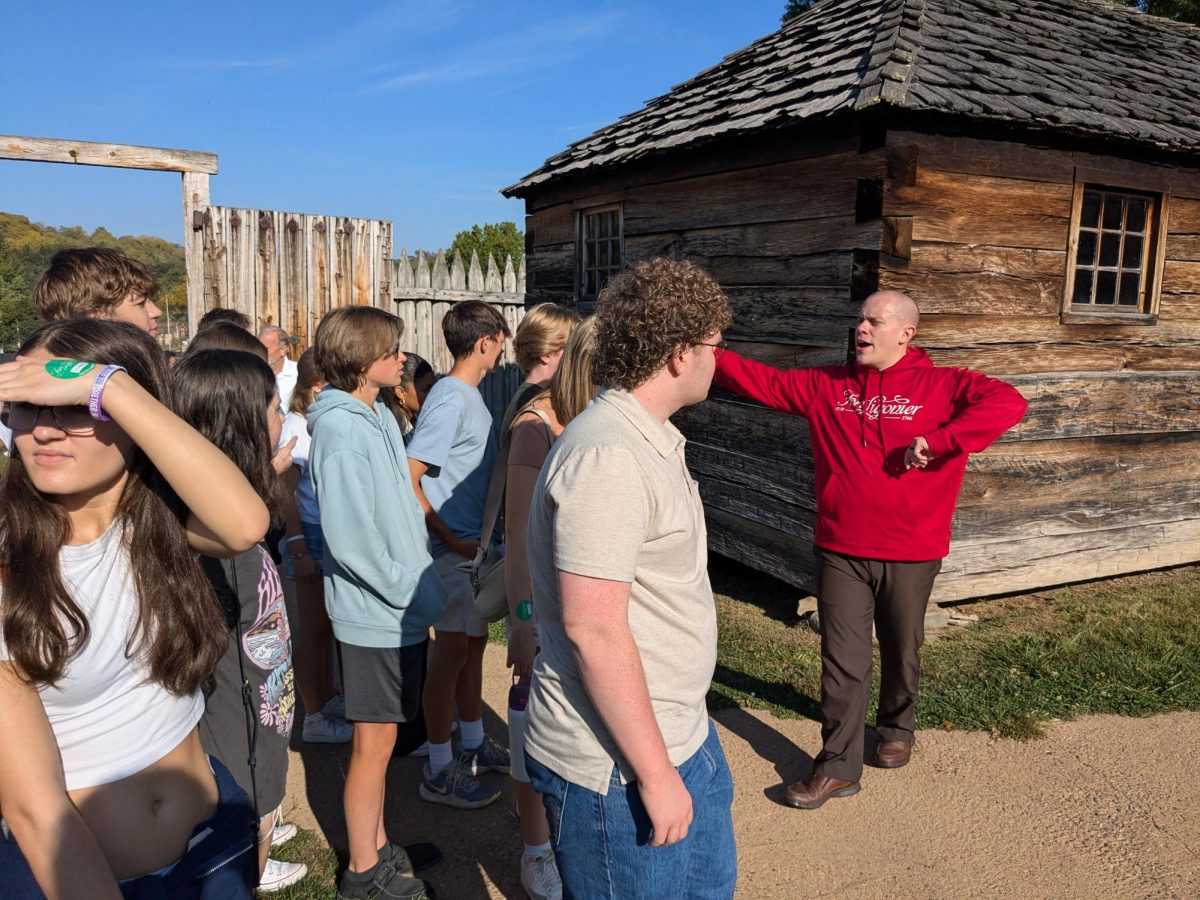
110, 721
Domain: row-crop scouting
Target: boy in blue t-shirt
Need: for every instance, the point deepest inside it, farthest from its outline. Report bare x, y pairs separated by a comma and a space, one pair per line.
450, 456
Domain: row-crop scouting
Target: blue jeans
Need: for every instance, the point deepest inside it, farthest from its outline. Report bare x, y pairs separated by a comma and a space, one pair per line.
601, 841
223, 865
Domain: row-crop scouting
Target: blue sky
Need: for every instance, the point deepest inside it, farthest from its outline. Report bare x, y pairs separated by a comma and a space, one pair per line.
417, 112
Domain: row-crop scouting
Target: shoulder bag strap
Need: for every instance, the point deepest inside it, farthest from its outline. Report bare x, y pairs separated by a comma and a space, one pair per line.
495, 499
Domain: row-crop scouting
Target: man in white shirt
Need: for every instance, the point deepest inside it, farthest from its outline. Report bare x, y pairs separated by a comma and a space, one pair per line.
618, 741
277, 341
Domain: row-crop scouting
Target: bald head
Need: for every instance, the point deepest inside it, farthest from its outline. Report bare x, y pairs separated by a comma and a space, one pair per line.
887, 322
903, 307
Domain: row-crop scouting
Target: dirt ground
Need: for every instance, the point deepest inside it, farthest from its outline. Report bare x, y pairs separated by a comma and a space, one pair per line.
1102, 807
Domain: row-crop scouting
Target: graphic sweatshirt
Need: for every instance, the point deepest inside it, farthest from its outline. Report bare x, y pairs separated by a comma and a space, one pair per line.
381, 589
861, 422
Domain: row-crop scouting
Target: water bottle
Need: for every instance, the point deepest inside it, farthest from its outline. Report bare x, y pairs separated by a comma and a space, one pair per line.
518, 699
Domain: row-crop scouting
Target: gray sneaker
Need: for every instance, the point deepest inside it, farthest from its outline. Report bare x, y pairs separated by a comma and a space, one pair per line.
454, 786
489, 756
322, 728
381, 883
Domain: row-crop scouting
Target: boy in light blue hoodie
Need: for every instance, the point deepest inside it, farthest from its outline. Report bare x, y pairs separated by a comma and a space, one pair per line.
381, 589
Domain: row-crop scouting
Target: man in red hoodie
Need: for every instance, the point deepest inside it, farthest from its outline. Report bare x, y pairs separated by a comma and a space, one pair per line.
890, 437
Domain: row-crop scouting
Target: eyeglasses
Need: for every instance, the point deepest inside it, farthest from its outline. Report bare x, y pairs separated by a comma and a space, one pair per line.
719, 345
69, 419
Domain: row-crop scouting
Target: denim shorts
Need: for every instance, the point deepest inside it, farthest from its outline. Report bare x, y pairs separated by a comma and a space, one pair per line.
601, 841
221, 864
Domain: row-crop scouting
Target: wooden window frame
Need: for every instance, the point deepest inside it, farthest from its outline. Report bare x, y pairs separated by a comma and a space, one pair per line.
581, 240
1153, 254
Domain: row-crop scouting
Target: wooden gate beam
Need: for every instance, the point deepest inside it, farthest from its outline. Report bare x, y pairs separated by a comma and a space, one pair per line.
121, 156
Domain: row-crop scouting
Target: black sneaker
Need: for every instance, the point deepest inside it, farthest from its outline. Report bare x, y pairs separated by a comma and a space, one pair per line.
382, 882
411, 857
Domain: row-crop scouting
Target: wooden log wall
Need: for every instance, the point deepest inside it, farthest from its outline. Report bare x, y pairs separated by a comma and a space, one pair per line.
1103, 476
778, 228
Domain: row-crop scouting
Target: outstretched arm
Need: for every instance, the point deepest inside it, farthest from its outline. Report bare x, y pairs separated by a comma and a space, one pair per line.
226, 516
790, 391
61, 850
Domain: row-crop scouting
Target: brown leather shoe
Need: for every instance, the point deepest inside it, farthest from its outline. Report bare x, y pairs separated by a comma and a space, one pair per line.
893, 754
813, 793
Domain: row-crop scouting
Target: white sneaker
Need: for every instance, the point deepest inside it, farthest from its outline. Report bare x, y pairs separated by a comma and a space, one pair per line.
540, 878
282, 833
421, 752
321, 729
278, 875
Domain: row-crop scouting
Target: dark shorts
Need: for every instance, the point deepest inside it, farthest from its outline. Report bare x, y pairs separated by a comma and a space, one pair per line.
221, 865
383, 684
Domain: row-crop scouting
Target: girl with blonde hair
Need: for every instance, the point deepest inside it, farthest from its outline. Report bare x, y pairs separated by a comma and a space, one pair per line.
535, 427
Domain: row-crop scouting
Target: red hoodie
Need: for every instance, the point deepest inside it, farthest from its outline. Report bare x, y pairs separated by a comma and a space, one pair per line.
868, 504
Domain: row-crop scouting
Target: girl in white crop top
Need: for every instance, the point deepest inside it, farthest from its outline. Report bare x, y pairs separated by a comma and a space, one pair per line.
108, 627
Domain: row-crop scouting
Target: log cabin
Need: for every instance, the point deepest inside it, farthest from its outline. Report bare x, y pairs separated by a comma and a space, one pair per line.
1027, 170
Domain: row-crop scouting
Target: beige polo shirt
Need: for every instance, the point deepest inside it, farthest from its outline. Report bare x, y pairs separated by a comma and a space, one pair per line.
616, 501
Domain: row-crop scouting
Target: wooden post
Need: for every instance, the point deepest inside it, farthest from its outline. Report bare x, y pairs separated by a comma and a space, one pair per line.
195, 199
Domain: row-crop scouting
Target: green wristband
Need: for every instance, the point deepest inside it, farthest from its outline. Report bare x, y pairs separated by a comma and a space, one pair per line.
68, 368
525, 610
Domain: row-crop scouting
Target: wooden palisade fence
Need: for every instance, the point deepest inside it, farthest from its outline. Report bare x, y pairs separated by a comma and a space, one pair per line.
425, 288
289, 269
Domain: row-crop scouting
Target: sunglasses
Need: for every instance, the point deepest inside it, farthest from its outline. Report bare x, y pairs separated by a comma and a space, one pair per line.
70, 419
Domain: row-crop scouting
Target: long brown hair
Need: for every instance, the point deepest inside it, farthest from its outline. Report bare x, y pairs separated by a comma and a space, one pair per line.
308, 376
224, 395
179, 627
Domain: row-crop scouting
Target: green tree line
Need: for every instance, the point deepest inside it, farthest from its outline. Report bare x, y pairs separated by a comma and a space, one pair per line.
25, 251
499, 240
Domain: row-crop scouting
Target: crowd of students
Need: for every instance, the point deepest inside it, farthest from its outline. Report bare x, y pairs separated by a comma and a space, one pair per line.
148, 669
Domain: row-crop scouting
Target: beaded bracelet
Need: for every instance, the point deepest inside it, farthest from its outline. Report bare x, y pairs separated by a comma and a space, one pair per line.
98, 391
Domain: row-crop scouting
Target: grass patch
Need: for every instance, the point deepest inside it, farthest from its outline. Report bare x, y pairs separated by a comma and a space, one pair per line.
496, 633
1129, 646
321, 881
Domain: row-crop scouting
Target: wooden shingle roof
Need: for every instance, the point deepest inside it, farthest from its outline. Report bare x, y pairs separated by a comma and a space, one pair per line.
1080, 67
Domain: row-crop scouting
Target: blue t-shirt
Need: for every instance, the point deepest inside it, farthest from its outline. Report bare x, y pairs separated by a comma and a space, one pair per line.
454, 437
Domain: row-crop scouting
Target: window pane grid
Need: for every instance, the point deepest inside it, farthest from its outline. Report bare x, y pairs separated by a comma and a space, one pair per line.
1110, 249
600, 256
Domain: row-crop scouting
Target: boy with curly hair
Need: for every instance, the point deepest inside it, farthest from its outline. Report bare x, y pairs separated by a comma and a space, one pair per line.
618, 739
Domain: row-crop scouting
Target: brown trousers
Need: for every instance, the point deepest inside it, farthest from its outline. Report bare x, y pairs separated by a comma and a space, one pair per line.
853, 593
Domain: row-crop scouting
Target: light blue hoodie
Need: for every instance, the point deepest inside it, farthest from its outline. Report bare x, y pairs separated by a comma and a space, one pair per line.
381, 589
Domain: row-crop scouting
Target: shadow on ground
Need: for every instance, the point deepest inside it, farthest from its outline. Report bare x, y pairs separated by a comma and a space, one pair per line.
739, 582
482, 846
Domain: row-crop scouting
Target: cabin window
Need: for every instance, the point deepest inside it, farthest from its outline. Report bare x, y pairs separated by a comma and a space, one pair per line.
1111, 270
600, 250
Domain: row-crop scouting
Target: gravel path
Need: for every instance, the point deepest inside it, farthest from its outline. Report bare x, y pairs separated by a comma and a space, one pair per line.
1102, 807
